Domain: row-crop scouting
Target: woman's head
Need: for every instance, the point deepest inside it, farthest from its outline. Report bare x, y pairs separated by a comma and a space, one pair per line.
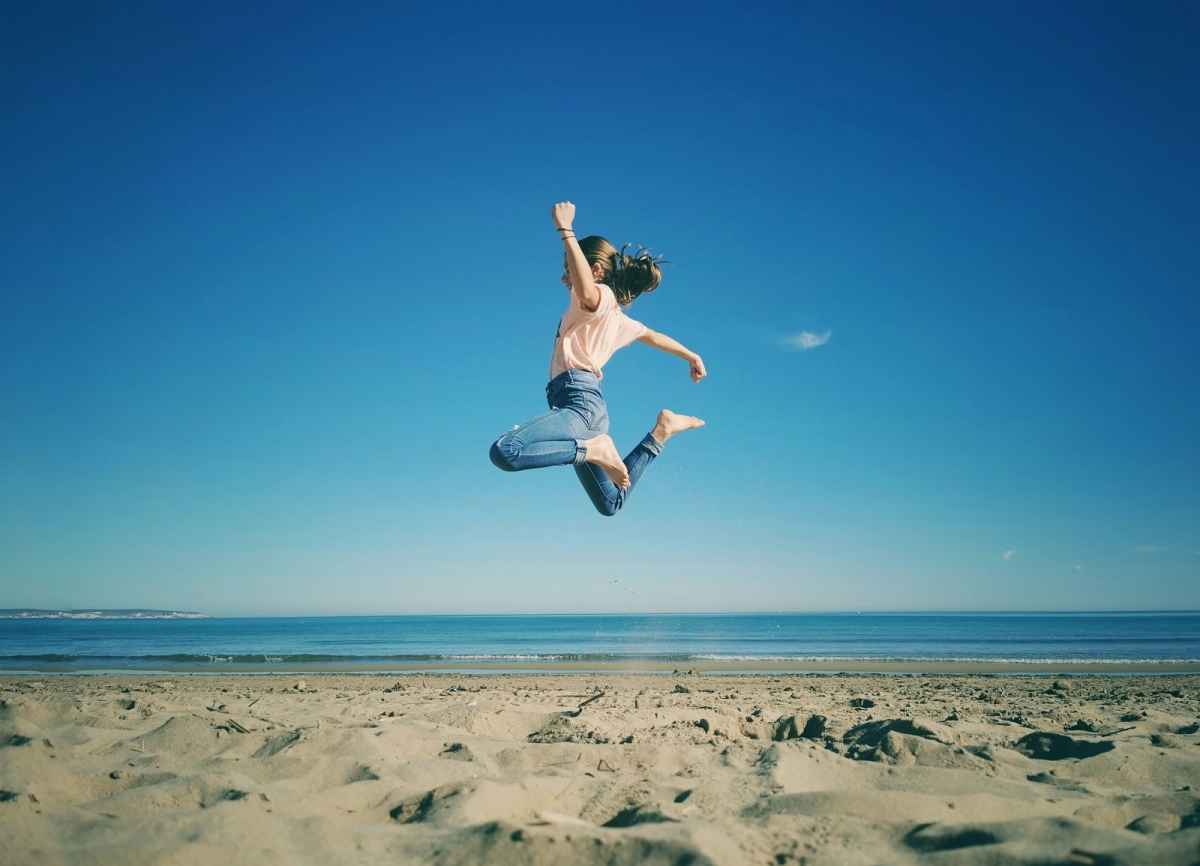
628, 276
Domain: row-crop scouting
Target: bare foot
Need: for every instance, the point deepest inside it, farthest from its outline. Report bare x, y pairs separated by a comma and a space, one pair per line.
603, 453
669, 424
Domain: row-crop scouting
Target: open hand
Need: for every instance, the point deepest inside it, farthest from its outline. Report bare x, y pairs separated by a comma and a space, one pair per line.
697, 365
563, 215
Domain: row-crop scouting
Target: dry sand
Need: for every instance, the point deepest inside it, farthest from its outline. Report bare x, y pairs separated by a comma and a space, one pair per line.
522, 768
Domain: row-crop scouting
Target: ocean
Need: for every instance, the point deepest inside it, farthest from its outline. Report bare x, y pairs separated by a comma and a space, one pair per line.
899, 642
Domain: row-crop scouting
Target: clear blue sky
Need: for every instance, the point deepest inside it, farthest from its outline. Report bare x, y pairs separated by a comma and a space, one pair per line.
274, 276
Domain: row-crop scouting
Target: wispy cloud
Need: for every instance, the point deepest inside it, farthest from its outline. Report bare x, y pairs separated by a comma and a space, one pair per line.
806, 340
1146, 548
1008, 554
1076, 566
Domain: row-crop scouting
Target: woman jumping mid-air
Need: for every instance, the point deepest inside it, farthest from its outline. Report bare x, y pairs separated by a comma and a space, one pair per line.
602, 282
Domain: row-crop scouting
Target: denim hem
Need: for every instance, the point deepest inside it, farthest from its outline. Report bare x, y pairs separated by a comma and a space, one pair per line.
652, 445
580, 452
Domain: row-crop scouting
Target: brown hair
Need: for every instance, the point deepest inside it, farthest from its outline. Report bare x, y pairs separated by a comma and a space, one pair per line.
627, 276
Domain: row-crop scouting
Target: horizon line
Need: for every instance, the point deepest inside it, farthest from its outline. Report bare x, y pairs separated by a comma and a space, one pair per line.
915, 612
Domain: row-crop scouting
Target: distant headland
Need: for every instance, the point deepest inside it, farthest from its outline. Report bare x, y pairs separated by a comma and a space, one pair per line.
30, 613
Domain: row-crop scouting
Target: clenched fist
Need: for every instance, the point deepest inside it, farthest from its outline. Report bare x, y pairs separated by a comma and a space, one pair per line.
563, 215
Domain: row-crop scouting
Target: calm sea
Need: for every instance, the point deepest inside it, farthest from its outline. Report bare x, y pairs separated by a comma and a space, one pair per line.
559, 642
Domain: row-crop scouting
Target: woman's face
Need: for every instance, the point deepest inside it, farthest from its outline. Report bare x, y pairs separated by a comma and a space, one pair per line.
566, 277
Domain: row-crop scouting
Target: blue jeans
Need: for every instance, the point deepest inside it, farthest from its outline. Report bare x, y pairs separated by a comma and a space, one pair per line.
577, 413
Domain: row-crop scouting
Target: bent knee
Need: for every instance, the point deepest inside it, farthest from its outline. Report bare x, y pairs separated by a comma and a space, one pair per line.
502, 456
607, 509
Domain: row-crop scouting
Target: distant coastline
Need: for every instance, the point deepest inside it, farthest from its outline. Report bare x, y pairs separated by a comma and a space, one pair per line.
32, 613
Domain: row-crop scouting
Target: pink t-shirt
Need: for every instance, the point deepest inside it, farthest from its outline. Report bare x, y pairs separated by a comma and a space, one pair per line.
586, 340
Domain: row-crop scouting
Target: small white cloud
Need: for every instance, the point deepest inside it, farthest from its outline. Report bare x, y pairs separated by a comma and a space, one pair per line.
1076, 566
1146, 548
1009, 554
806, 340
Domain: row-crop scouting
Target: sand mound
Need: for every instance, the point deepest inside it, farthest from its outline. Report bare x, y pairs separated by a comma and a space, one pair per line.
50, 713
173, 794
183, 736
1152, 815
565, 728
1043, 841
887, 738
897, 748
512, 769
1059, 747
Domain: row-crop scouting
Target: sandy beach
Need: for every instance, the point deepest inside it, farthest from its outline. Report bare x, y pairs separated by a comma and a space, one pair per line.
600, 768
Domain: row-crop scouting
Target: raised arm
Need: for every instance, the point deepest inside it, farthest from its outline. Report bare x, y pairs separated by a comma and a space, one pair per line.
666, 344
578, 270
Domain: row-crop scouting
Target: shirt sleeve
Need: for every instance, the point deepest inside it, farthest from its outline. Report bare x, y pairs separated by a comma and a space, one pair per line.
608, 302
630, 330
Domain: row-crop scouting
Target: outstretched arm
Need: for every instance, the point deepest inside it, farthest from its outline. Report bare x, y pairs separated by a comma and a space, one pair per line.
666, 344
578, 269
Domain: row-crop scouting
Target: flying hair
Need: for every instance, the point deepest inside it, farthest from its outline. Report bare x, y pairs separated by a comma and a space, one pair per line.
627, 275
